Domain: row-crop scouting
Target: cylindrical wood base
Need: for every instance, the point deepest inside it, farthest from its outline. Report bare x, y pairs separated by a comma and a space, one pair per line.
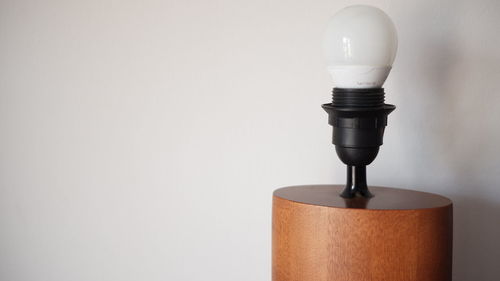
398, 235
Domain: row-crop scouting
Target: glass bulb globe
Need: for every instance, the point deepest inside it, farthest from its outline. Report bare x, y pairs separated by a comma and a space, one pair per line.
360, 45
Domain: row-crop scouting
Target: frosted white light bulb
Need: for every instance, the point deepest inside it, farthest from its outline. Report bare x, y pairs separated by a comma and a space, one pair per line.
360, 45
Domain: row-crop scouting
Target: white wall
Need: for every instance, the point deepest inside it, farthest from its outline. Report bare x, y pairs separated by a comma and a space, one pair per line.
142, 140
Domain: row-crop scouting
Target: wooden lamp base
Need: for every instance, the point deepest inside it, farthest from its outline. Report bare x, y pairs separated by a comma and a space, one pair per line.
398, 235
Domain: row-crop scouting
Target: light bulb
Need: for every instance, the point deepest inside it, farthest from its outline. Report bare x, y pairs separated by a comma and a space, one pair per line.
360, 45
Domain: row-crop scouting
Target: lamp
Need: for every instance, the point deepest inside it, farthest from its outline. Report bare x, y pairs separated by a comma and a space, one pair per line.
360, 45
340, 233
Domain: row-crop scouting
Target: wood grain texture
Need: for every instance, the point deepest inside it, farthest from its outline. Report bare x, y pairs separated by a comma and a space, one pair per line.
346, 241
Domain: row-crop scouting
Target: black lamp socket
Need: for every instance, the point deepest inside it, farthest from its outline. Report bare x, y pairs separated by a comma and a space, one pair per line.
359, 118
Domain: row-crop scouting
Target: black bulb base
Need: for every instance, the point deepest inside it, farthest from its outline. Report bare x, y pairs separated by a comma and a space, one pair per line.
358, 118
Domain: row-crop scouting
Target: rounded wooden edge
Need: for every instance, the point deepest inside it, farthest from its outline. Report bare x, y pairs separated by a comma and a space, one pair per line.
385, 199
322, 243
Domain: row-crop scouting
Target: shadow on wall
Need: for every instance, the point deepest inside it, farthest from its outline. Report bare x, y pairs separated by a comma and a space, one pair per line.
457, 100
466, 142
476, 239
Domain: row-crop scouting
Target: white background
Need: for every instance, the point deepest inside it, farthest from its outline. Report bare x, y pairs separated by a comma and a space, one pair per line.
142, 140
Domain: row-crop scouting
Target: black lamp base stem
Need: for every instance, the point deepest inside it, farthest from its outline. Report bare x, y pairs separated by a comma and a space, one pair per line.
356, 183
